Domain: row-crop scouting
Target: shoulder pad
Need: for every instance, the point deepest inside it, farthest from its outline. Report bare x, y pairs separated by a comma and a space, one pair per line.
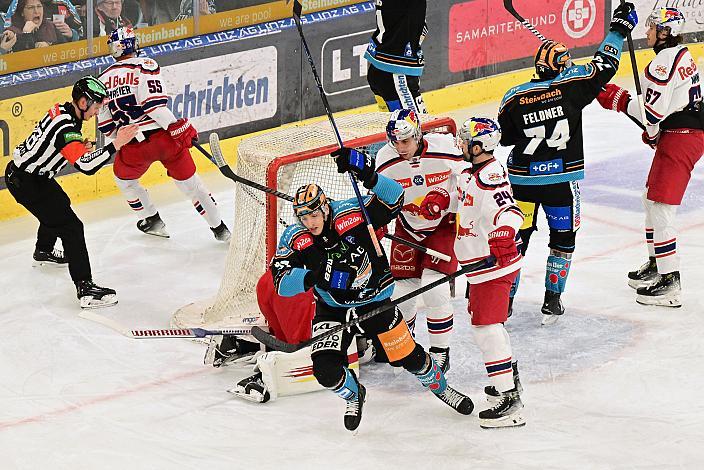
442, 143
523, 88
576, 71
346, 215
662, 67
385, 154
494, 174
149, 65
296, 237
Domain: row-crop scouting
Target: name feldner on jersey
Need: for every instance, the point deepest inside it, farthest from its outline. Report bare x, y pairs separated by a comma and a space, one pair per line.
484, 203
136, 96
438, 166
673, 94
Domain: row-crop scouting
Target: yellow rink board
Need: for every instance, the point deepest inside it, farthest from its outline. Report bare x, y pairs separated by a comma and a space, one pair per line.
85, 188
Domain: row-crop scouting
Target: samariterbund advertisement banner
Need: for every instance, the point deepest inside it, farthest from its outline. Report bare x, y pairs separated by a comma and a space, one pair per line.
482, 32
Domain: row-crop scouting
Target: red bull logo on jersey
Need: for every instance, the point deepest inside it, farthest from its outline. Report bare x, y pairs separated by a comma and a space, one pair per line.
436, 178
687, 71
466, 231
115, 81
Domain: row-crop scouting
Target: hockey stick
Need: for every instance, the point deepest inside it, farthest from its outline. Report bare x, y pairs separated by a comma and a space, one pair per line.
162, 333
225, 169
297, 8
508, 5
279, 345
636, 79
421, 248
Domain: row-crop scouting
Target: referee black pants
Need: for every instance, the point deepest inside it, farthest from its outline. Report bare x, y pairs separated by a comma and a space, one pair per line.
45, 199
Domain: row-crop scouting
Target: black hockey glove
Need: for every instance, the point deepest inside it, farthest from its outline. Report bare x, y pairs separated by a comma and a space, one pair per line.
357, 163
624, 19
328, 279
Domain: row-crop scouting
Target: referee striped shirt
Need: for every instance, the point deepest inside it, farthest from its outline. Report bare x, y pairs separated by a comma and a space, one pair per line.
57, 140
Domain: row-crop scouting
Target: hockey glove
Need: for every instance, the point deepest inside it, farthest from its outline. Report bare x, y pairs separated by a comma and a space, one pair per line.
502, 245
624, 19
434, 203
183, 132
614, 98
357, 163
650, 140
328, 279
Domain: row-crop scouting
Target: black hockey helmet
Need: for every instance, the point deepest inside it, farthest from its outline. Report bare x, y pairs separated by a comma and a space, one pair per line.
309, 198
552, 58
91, 88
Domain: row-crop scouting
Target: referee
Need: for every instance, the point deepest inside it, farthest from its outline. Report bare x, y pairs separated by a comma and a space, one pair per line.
55, 141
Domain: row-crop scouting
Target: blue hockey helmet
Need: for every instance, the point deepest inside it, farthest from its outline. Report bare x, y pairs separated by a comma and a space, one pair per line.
123, 41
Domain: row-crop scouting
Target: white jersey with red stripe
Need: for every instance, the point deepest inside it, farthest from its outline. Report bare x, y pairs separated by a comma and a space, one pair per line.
135, 96
670, 84
438, 166
484, 203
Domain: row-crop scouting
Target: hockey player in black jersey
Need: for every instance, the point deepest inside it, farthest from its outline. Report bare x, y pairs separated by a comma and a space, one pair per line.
55, 141
542, 119
330, 250
395, 56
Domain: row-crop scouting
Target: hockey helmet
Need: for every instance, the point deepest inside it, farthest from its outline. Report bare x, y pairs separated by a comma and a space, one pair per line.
403, 123
91, 88
670, 18
123, 41
479, 131
552, 58
310, 198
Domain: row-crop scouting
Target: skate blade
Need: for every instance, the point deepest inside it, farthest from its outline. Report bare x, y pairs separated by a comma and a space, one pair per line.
106, 301
253, 397
662, 301
549, 319
157, 233
635, 284
49, 264
512, 421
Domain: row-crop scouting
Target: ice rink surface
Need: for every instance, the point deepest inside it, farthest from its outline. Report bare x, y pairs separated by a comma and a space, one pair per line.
612, 385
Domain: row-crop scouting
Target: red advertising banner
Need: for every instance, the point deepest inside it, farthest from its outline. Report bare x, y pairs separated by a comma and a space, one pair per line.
482, 32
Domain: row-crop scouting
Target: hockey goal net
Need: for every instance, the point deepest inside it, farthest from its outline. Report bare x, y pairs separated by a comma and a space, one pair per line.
283, 159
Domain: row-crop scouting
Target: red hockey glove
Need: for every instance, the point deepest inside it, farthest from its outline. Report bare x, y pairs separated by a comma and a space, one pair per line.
614, 98
502, 245
435, 202
183, 132
648, 140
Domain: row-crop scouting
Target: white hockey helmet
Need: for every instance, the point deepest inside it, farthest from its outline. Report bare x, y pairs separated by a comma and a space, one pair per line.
403, 123
479, 131
670, 18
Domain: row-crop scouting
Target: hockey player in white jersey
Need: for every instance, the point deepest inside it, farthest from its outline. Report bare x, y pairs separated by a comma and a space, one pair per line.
137, 95
675, 129
488, 219
427, 166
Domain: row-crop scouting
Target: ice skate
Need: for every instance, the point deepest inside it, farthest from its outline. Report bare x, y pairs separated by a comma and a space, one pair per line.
92, 296
54, 258
221, 232
552, 308
458, 401
505, 413
644, 276
252, 388
493, 396
441, 357
153, 225
664, 292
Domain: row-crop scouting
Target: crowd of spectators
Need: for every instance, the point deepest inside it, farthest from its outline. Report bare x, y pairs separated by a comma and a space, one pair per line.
29, 24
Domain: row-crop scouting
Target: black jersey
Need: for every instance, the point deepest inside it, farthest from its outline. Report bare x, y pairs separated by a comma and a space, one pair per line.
542, 119
357, 276
395, 46
57, 140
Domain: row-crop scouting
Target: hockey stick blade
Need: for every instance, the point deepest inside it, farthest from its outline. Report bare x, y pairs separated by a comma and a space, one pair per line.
217, 151
161, 333
279, 345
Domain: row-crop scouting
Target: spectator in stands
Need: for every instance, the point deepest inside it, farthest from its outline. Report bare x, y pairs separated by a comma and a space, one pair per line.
205, 7
7, 40
159, 11
109, 17
66, 19
31, 29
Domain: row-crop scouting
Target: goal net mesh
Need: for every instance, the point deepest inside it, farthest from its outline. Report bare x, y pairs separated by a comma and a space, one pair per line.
283, 159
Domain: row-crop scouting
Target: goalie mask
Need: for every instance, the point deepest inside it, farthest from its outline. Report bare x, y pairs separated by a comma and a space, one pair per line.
551, 59
667, 19
403, 123
310, 198
123, 41
479, 131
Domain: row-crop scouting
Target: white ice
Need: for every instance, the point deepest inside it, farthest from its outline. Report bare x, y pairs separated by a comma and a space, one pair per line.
612, 385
